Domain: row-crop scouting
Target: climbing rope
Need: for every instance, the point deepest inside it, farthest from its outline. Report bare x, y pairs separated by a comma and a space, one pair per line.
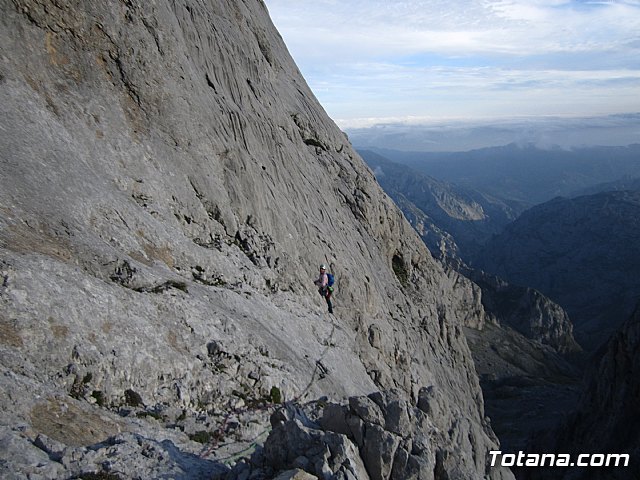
248, 449
319, 365
223, 429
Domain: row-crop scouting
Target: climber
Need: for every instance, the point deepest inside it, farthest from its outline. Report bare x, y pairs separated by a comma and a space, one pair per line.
325, 286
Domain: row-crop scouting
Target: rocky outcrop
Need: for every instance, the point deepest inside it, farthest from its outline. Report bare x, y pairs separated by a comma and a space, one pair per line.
380, 436
525, 310
521, 355
527, 386
582, 253
169, 186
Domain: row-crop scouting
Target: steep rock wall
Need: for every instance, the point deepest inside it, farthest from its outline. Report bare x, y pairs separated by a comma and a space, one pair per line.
169, 186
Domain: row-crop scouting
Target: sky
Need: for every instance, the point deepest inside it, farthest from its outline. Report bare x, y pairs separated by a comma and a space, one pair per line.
373, 62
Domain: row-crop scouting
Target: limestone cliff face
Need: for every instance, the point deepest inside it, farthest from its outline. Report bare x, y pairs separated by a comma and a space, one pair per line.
169, 185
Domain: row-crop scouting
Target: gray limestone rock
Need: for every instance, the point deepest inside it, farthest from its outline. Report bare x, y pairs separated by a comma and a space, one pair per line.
327, 454
296, 474
367, 410
379, 451
416, 447
169, 185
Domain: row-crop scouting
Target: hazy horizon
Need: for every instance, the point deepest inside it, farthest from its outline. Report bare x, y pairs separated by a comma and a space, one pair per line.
465, 135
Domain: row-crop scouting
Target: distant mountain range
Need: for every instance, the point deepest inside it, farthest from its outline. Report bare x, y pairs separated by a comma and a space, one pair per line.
525, 174
584, 253
627, 183
461, 136
452, 220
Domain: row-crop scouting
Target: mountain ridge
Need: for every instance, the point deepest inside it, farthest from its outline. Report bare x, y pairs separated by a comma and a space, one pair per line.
525, 173
470, 217
567, 249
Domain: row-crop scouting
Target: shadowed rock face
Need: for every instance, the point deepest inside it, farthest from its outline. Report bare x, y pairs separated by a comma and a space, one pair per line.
525, 310
453, 221
605, 420
169, 185
583, 253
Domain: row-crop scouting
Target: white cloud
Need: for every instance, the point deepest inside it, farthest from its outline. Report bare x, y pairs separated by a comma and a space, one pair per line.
430, 58
375, 27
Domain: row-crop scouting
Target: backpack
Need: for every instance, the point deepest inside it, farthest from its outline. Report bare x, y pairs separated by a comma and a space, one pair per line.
330, 280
